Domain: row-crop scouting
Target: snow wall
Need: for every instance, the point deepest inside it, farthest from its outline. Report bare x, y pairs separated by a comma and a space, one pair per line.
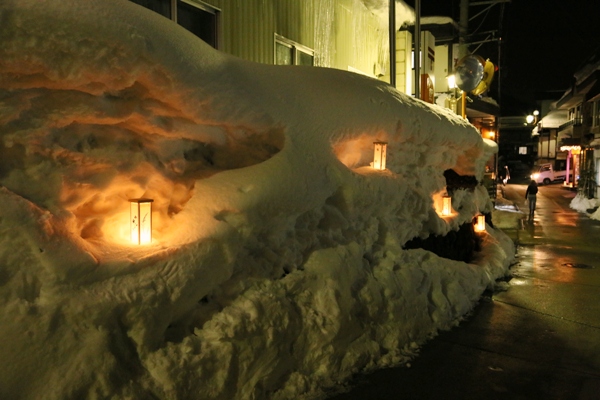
277, 267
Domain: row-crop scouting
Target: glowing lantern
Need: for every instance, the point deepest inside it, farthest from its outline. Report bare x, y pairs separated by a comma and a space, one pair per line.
480, 224
446, 205
141, 220
380, 155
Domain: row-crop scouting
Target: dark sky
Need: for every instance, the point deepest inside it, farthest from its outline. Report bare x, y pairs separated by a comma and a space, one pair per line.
544, 42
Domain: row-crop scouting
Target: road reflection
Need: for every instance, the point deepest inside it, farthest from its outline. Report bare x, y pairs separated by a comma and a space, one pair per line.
545, 262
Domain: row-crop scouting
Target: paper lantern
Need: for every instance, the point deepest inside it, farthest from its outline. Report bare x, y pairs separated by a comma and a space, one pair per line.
380, 155
140, 220
446, 205
480, 224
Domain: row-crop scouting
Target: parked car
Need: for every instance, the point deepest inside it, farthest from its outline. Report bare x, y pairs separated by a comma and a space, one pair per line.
546, 174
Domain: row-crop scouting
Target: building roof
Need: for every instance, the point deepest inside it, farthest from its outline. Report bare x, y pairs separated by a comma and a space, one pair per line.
552, 120
586, 84
444, 29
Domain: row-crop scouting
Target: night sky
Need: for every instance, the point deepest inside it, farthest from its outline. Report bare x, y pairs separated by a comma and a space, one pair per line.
543, 44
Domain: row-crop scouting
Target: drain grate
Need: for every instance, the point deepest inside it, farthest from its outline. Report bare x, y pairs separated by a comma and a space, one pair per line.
580, 266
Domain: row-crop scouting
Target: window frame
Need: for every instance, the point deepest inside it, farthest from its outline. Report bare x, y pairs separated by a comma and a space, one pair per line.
596, 114
206, 8
201, 6
296, 49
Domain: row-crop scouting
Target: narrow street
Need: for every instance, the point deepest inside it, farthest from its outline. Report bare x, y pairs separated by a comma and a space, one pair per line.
539, 339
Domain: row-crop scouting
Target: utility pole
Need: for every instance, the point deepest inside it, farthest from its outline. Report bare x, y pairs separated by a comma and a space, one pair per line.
392, 29
417, 52
463, 24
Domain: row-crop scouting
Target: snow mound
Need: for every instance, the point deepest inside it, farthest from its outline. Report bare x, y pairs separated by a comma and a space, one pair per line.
277, 266
582, 204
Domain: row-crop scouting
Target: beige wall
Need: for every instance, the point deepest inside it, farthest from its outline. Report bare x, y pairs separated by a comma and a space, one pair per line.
343, 33
248, 27
361, 42
404, 72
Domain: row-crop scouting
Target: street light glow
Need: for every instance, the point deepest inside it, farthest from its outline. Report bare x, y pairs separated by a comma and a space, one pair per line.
451, 81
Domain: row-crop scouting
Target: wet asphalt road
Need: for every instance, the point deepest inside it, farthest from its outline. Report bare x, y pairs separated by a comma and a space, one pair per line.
540, 339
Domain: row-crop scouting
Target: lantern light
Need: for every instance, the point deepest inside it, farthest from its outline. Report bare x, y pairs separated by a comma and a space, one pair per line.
446, 205
380, 156
480, 224
141, 220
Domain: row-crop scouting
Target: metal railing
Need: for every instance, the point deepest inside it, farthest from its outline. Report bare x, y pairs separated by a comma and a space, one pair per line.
573, 122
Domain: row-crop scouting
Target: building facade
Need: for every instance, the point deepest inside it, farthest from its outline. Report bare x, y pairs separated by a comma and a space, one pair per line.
579, 135
342, 34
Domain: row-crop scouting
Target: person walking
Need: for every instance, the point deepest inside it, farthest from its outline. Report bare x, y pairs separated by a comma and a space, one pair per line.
531, 196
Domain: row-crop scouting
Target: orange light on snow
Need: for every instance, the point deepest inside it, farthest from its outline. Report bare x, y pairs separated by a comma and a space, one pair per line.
489, 134
140, 220
480, 224
446, 205
379, 158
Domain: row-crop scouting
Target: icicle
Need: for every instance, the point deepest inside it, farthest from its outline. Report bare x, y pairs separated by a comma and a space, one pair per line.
324, 17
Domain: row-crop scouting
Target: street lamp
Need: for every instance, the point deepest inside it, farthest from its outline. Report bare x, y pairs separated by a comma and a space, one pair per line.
451, 81
532, 119
451, 102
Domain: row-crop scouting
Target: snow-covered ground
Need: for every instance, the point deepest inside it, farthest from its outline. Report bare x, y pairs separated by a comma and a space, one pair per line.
277, 266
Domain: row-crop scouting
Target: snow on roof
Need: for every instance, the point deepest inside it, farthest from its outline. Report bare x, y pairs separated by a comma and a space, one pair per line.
438, 20
554, 119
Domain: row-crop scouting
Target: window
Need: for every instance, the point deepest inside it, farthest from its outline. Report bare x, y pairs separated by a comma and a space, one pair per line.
597, 176
198, 18
288, 52
163, 7
304, 58
284, 54
577, 115
596, 114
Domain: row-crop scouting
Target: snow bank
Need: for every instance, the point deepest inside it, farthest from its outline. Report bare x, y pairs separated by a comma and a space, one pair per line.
582, 204
277, 266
